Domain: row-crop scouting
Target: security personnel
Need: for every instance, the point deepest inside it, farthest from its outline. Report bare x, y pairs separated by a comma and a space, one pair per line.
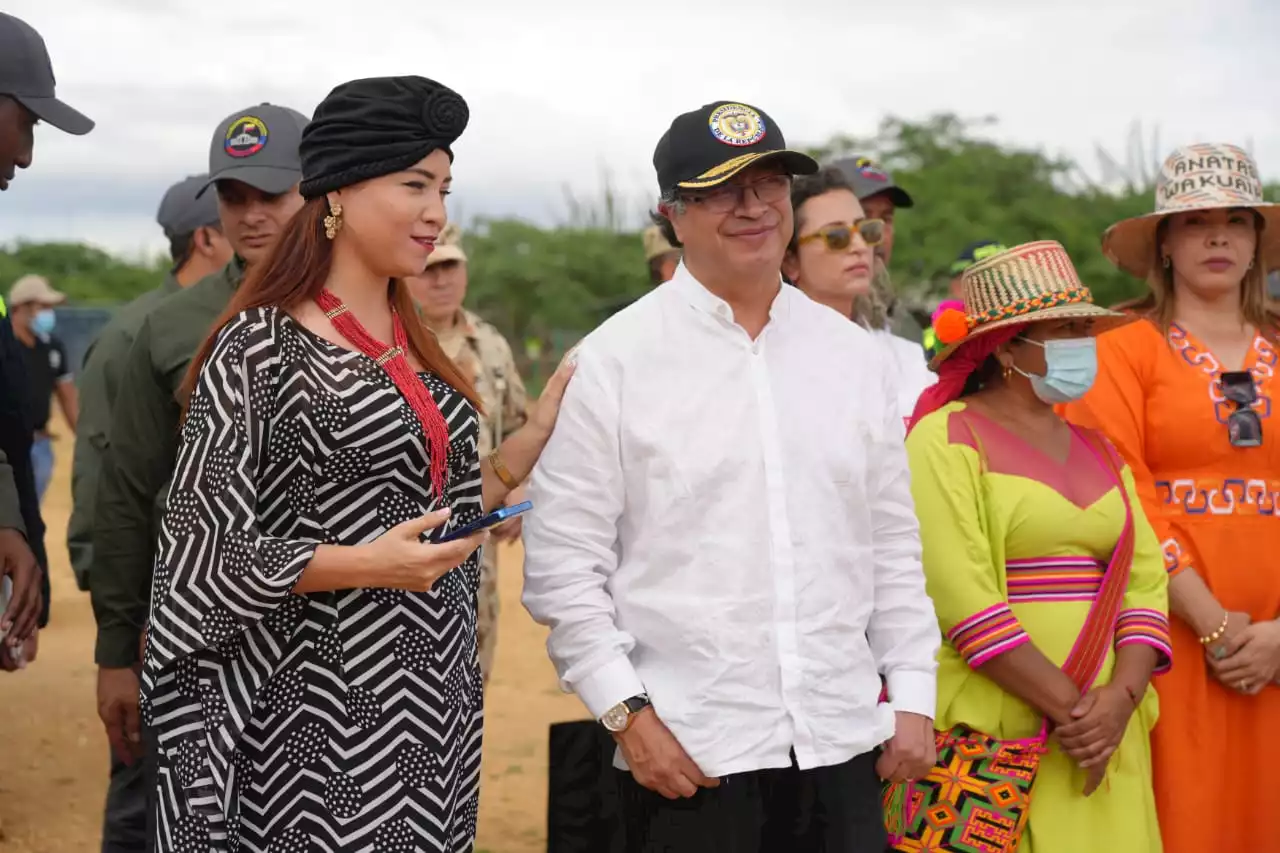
255, 168
26, 96
198, 249
662, 257
484, 355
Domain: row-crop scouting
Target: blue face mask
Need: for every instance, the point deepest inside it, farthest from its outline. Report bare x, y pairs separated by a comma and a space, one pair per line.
43, 322
1071, 366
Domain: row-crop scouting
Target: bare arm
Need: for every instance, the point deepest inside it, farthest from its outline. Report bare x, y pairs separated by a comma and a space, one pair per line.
69, 402
1026, 673
520, 452
1191, 601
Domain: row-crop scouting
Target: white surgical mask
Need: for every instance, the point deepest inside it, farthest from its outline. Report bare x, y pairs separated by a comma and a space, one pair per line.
1071, 366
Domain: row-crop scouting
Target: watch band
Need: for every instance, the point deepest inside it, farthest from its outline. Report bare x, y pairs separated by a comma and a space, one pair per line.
500, 468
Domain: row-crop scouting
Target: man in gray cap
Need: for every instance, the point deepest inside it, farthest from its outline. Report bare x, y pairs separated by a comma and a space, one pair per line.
198, 249
26, 95
255, 169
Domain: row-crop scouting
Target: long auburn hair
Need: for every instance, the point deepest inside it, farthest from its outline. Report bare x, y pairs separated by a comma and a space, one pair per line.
1160, 301
294, 272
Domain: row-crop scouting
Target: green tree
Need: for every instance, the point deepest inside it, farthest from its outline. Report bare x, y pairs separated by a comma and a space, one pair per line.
969, 188
86, 274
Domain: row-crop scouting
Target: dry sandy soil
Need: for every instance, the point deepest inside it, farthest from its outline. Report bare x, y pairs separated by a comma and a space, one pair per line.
53, 757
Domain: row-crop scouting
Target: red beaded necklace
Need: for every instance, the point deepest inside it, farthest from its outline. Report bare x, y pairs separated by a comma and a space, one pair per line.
393, 361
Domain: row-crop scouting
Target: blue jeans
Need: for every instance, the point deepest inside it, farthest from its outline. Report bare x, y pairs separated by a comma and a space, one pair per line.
42, 464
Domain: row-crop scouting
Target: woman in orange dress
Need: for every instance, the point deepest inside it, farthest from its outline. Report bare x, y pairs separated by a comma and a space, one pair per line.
1186, 395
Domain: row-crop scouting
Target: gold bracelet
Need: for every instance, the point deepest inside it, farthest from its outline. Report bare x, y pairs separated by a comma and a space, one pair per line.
1217, 635
500, 468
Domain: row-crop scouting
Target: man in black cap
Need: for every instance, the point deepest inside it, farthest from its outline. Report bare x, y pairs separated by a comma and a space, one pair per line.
725, 547
26, 96
198, 248
255, 168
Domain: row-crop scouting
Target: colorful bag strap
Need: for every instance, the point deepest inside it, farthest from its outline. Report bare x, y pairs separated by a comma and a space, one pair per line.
1096, 636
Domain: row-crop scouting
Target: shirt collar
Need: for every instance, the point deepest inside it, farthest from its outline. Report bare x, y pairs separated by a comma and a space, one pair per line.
696, 294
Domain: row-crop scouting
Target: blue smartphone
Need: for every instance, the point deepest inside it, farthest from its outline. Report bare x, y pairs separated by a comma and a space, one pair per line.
493, 519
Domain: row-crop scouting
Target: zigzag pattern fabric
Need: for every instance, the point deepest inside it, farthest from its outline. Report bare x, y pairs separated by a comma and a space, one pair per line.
340, 721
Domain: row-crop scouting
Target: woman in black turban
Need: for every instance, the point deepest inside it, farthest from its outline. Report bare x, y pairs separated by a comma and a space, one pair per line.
311, 674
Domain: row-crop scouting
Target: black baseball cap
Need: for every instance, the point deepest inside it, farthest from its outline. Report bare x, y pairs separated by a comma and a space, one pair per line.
26, 75
711, 144
868, 178
258, 146
184, 208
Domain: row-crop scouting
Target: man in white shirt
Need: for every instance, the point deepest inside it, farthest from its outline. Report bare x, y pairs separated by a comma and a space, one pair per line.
724, 545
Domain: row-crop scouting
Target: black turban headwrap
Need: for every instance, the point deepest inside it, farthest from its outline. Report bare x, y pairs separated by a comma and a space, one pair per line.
377, 126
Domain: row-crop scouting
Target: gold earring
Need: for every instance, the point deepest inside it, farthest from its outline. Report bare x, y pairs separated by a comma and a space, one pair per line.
1007, 372
333, 222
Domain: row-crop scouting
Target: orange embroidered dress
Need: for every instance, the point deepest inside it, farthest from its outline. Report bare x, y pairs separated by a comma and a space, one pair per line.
1213, 507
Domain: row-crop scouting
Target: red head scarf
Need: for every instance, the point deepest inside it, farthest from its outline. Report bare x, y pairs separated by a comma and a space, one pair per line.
956, 370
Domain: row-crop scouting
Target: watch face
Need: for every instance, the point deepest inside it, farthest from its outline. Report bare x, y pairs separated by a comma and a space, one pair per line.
615, 719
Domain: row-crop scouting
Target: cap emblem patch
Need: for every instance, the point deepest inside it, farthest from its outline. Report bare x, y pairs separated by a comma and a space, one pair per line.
736, 124
245, 137
869, 170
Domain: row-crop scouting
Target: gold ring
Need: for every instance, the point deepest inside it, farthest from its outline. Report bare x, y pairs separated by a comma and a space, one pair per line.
1244, 687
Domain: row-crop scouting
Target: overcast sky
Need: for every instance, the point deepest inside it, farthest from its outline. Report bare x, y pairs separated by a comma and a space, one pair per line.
565, 91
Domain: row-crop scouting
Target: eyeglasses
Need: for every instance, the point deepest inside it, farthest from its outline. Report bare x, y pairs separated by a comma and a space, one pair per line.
728, 197
1244, 426
838, 237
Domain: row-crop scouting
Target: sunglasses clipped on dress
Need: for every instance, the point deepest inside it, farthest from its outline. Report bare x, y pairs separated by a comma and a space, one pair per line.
1244, 426
838, 237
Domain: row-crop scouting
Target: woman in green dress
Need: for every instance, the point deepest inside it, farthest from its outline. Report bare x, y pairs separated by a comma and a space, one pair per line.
1048, 581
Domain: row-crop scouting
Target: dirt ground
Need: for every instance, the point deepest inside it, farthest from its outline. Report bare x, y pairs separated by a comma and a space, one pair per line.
53, 752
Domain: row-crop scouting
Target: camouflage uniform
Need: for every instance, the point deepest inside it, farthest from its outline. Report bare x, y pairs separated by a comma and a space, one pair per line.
484, 355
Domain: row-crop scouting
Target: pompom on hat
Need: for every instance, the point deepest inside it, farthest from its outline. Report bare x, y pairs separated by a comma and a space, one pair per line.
1025, 284
1206, 176
377, 126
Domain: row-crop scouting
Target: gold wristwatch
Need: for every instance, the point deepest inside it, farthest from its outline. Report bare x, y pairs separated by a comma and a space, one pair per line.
618, 718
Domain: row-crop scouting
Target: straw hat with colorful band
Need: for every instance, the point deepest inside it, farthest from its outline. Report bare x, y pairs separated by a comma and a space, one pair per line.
705, 147
1198, 177
1025, 284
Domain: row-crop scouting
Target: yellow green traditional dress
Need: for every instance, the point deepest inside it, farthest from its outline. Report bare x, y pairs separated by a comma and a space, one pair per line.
1016, 544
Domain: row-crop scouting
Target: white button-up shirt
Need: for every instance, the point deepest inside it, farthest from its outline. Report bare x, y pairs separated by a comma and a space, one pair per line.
727, 525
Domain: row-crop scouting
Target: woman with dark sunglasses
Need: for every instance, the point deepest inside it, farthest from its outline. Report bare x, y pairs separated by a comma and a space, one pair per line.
831, 260
1186, 394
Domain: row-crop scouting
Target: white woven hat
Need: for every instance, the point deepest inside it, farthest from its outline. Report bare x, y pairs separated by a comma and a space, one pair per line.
1207, 176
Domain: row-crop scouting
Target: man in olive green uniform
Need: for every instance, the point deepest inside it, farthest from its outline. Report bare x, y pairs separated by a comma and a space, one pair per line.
27, 96
254, 165
484, 355
198, 248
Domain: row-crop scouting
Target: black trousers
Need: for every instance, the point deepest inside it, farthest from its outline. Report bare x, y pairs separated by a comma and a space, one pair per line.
124, 825
825, 810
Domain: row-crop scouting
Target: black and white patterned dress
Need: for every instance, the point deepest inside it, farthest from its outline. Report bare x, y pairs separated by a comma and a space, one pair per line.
338, 721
